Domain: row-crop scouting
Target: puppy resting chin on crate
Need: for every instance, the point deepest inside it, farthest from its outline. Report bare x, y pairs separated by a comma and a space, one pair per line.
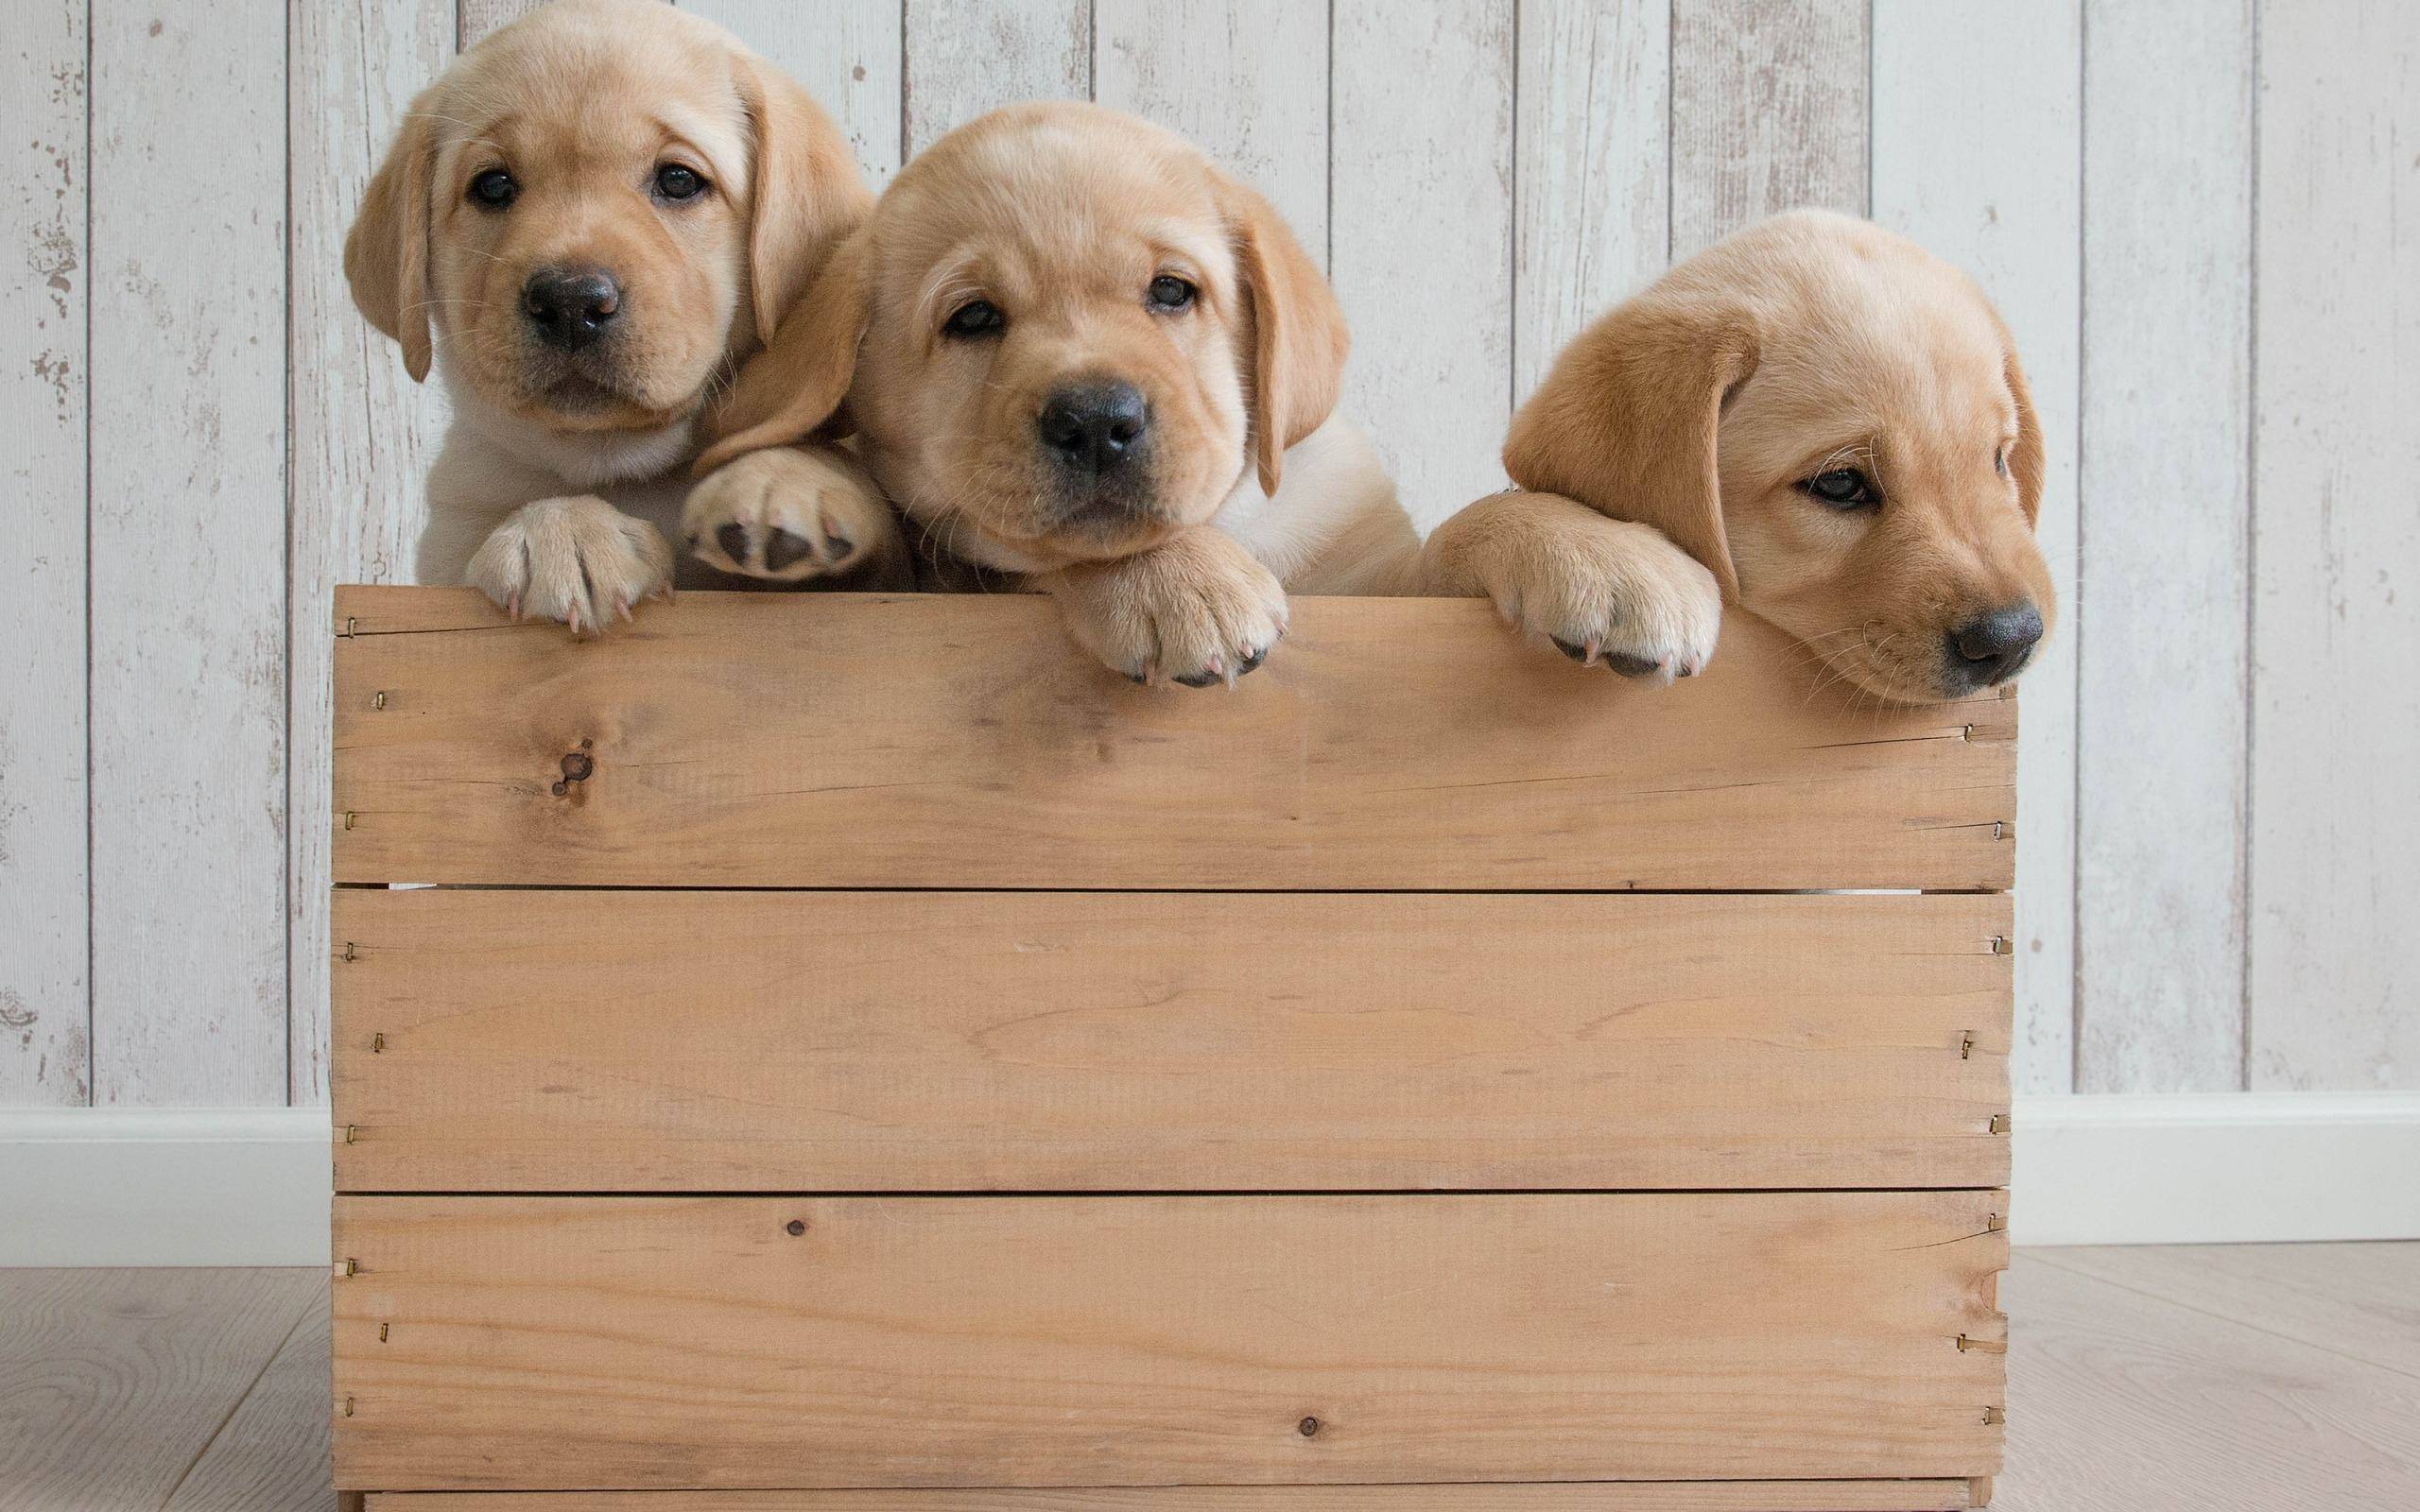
1815, 421
584, 226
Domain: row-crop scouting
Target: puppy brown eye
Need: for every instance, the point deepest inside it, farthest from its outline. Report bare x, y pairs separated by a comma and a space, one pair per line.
973, 320
1844, 489
494, 189
1168, 292
675, 183
2000, 460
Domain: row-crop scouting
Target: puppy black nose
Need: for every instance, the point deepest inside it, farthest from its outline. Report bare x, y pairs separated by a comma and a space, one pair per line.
571, 307
1995, 647
1093, 427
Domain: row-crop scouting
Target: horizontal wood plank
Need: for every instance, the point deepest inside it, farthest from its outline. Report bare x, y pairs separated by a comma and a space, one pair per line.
860, 741
647, 1041
638, 1343
1588, 1495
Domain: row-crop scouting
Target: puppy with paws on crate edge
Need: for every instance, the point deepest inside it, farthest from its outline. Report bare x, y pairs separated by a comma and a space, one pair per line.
1082, 360
582, 229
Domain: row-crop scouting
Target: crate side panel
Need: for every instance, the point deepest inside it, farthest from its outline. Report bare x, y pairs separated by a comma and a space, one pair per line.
858, 741
837, 1041
697, 1343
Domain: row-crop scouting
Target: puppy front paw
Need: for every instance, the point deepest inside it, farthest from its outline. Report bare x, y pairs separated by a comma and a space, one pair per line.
790, 514
1621, 595
576, 560
1198, 610
1602, 591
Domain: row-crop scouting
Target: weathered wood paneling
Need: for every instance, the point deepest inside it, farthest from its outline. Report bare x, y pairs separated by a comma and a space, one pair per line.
847, 54
188, 554
966, 57
1593, 168
1952, 88
1495, 184
819, 1342
1420, 243
1248, 80
1769, 112
46, 1002
475, 19
638, 1041
364, 433
750, 740
2335, 875
2161, 675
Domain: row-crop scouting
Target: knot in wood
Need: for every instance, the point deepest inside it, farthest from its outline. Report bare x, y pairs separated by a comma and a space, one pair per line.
578, 767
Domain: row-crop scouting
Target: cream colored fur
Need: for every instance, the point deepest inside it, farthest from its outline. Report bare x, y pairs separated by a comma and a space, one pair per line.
1661, 466
1063, 215
561, 478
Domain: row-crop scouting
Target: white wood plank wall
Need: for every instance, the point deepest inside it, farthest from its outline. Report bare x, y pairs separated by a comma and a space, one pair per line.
2162, 680
2199, 217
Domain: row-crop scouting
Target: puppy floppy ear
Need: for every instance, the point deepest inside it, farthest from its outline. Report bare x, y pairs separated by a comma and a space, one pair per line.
385, 254
1297, 334
1626, 423
2025, 459
805, 194
793, 388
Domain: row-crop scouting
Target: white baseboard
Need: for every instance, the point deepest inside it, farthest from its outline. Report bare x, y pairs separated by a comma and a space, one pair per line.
2217, 1168
219, 1186
250, 1186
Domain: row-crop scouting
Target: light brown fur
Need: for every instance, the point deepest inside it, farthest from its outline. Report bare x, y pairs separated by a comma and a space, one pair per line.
1062, 217
1661, 462
582, 103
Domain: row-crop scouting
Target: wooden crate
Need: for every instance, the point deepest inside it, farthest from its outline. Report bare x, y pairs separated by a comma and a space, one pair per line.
862, 1055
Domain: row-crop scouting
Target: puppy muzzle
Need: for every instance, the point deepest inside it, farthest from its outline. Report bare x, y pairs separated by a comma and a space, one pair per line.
1991, 648
1096, 446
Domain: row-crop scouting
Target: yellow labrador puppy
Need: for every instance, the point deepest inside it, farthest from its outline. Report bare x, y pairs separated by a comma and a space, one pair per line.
1077, 354
1815, 420
583, 226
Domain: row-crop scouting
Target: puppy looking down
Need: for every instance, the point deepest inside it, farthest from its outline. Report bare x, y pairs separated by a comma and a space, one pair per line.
1815, 420
1076, 353
583, 227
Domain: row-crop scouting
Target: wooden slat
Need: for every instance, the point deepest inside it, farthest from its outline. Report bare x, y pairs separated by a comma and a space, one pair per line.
1951, 90
552, 1344
964, 58
188, 549
1593, 177
2160, 812
847, 54
364, 433
1246, 80
855, 741
475, 19
1769, 112
2335, 877
1420, 160
632, 1042
46, 1001
1595, 1496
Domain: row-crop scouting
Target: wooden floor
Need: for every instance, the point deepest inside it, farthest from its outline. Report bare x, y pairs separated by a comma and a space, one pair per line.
2250, 1379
